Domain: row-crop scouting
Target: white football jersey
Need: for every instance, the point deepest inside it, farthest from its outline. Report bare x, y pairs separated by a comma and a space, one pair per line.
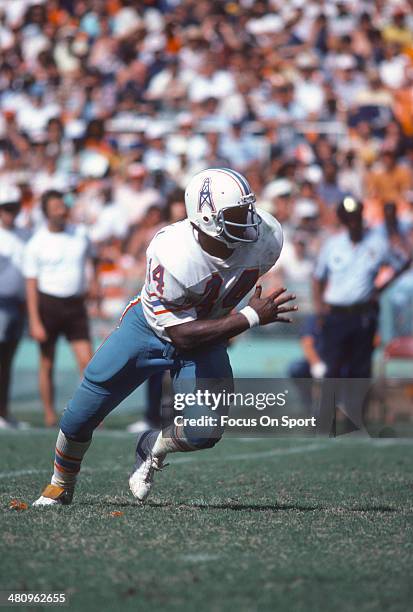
185, 283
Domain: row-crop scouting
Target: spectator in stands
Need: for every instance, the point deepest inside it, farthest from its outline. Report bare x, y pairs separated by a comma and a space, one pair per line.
309, 93
55, 269
350, 177
137, 195
279, 195
295, 267
238, 147
176, 210
398, 30
111, 223
389, 180
328, 189
12, 294
142, 234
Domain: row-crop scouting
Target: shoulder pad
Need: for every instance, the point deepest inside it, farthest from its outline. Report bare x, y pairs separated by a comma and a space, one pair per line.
178, 252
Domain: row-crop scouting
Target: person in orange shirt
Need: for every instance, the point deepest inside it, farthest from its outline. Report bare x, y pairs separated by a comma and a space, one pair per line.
56, 15
391, 180
403, 103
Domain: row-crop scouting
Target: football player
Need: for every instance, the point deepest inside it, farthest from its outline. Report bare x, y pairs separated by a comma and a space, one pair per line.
198, 270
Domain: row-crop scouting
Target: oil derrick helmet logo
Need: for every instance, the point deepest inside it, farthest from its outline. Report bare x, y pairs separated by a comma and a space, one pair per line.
205, 196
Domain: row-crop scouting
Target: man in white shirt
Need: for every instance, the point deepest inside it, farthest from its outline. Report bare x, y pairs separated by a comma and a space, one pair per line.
55, 271
12, 294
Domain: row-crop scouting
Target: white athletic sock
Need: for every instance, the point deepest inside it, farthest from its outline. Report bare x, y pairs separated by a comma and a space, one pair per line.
171, 440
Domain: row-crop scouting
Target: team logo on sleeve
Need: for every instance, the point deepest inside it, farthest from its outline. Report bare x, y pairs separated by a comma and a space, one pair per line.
205, 196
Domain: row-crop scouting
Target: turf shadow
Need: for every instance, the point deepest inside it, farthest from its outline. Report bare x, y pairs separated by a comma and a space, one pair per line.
276, 507
188, 506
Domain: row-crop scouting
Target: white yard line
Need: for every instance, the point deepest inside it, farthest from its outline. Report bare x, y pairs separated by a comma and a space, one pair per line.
115, 433
14, 473
38, 431
199, 557
291, 450
251, 456
190, 458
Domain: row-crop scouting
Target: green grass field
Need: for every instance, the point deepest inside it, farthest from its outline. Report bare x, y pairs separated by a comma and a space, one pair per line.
264, 524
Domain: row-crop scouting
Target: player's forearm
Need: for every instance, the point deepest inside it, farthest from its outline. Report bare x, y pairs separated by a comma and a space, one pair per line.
204, 332
32, 300
260, 311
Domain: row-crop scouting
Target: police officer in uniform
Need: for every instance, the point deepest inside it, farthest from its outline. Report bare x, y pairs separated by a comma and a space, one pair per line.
345, 295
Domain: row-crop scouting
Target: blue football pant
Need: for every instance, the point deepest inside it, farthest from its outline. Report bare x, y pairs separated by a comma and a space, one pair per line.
129, 356
154, 399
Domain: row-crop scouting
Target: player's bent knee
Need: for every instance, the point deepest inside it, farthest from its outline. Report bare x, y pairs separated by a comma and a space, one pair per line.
206, 439
210, 443
85, 411
204, 443
78, 426
78, 434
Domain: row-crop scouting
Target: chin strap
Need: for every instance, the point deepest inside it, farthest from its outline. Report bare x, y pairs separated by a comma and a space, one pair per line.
220, 239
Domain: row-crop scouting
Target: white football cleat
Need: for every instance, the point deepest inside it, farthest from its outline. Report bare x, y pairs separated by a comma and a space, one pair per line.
47, 501
53, 495
141, 479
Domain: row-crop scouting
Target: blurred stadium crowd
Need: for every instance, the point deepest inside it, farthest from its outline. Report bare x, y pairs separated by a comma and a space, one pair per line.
117, 103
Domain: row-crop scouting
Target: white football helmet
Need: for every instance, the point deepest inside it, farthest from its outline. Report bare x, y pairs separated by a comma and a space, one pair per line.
209, 196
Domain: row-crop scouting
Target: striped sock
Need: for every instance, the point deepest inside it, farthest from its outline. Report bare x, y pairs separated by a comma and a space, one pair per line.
67, 462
